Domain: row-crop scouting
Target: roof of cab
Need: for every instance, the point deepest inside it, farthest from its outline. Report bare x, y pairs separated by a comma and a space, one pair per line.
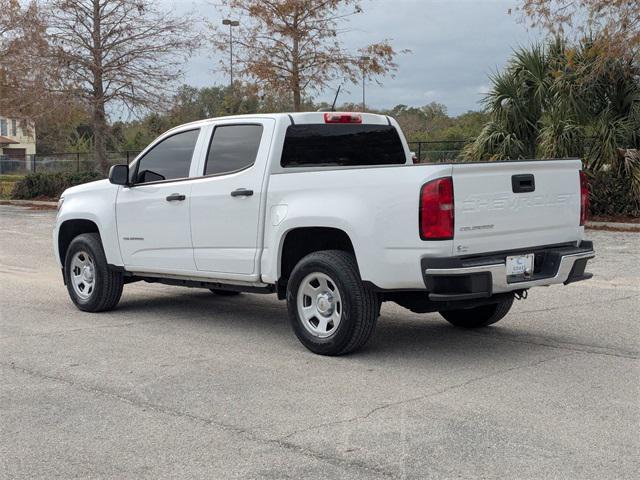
294, 117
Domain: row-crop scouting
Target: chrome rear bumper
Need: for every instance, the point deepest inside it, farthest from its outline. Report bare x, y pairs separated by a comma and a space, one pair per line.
483, 277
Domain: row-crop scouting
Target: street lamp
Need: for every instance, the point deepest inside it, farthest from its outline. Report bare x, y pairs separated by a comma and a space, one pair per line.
363, 61
231, 23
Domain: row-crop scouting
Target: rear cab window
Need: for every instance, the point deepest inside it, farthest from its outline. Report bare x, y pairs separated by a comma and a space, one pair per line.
233, 148
342, 145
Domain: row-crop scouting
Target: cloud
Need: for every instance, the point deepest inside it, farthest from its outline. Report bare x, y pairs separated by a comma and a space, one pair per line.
454, 44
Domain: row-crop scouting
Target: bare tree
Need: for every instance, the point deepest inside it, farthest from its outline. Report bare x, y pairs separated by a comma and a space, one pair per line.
614, 24
13, 22
27, 79
294, 47
117, 54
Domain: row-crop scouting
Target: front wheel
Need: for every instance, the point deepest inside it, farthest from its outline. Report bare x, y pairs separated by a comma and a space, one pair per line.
92, 285
478, 317
331, 311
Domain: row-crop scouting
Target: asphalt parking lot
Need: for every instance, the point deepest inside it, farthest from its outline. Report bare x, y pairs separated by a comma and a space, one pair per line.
179, 383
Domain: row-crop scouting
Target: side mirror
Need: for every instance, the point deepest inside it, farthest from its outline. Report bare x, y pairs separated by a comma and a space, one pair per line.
119, 174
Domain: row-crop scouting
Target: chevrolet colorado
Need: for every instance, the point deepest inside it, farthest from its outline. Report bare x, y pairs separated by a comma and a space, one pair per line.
328, 211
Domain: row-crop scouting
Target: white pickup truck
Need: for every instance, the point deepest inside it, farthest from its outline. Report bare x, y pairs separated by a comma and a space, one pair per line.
328, 211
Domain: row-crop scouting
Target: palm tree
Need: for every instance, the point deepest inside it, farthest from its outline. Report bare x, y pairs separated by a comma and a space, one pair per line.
551, 101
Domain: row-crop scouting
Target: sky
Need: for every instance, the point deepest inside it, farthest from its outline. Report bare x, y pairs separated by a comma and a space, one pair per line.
455, 45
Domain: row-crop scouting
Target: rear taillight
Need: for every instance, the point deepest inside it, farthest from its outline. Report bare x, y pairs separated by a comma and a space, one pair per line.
342, 118
436, 210
584, 198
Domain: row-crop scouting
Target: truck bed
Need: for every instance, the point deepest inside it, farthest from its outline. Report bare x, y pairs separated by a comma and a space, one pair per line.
378, 207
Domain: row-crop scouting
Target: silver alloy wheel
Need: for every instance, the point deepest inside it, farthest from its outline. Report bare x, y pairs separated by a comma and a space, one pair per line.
319, 304
83, 274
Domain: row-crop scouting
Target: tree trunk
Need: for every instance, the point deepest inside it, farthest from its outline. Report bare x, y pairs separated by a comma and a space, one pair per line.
296, 97
99, 114
100, 136
295, 66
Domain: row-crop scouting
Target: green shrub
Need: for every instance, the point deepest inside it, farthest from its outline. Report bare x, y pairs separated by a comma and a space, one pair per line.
49, 185
6, 185
611, 194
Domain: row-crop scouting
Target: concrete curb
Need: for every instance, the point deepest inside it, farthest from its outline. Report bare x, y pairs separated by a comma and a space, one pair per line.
30, 203
614, 227
614, 224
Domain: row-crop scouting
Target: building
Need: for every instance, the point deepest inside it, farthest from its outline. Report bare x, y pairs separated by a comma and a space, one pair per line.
17, 144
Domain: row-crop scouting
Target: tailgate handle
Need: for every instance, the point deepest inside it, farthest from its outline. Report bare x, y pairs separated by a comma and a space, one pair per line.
523, 183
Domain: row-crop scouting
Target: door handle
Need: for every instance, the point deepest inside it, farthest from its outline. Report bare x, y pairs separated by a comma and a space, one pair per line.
175, 197
242, 192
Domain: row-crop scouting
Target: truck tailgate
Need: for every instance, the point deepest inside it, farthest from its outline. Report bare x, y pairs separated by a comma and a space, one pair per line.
511, 205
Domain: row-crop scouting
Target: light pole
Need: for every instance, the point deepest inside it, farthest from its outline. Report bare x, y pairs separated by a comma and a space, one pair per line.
231, 23
363, 61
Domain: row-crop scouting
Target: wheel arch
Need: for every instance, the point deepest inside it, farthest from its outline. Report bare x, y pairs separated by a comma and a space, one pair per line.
301, 241
70, 229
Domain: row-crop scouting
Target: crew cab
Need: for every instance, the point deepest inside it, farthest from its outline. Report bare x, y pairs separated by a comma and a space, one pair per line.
328, 211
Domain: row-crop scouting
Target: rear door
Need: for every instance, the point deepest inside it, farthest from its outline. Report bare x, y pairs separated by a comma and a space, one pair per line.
511, 205
226, 203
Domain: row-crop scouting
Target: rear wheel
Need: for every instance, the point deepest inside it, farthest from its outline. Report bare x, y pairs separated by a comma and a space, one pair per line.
92, 285
331, 311
478, 317
224, 293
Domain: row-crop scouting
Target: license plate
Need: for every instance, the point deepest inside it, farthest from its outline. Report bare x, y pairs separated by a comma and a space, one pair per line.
520, 265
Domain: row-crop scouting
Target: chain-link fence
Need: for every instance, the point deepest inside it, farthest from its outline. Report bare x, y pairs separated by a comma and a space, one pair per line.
58, 162
438, 151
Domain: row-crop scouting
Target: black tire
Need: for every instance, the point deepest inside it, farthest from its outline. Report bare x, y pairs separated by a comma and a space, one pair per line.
224, 293
360, 306
107, 287
478, 317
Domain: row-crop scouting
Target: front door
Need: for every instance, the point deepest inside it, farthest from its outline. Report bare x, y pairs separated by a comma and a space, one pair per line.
225, 204
153, 215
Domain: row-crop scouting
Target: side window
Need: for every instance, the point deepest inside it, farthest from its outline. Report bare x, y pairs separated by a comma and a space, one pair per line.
170, 159
232, 148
